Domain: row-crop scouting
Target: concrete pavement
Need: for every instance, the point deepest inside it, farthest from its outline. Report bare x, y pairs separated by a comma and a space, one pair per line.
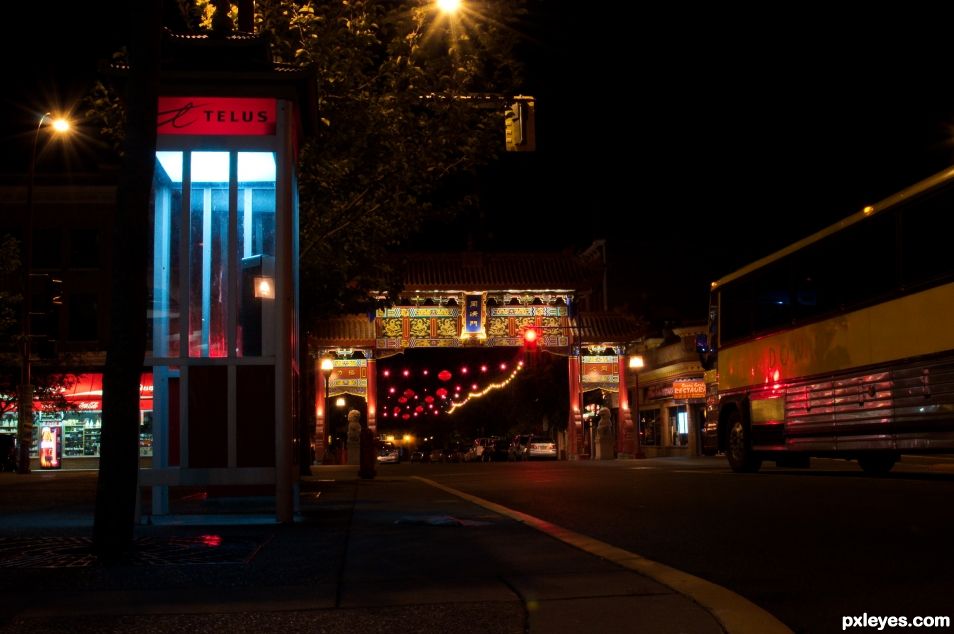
393, 553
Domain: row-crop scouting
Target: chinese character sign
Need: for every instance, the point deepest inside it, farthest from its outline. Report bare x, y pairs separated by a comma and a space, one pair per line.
473, 314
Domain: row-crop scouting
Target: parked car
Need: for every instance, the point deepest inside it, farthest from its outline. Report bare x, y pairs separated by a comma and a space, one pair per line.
389, 453
480, 451
500, 451
519, 447
420, 455
541, 447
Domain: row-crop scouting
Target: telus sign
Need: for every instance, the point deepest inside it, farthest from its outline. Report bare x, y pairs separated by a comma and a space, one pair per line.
230, 116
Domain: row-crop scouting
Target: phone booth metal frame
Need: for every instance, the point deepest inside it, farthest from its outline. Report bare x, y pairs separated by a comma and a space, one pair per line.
223, 319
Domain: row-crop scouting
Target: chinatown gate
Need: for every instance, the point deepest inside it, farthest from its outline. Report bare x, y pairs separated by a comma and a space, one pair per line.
474, 300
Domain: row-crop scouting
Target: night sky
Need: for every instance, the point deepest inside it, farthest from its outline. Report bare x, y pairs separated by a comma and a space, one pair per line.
694, 141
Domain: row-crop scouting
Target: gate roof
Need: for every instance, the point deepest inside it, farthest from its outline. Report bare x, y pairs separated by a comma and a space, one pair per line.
476, 271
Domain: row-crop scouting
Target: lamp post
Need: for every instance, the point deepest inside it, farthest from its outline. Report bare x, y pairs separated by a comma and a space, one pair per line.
326, 365
25, 391
636, 364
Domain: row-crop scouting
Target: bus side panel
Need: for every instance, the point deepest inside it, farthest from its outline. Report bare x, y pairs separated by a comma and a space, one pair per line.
923, 395
810, 416
864, 407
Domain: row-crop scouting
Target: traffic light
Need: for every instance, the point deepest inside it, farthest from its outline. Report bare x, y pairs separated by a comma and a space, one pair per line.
520, 125
46, 295
530, 337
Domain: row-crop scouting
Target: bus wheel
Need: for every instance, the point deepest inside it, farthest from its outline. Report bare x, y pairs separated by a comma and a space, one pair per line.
878, 463
739, 450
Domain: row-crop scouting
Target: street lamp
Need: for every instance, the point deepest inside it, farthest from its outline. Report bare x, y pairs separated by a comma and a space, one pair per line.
636, 364
25, 392
326, 365
448, 6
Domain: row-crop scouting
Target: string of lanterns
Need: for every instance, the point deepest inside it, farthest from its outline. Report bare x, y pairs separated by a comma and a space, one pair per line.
405, 402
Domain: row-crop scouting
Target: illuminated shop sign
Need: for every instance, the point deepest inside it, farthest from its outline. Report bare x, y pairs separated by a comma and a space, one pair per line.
50, 446
688, 389
229, 116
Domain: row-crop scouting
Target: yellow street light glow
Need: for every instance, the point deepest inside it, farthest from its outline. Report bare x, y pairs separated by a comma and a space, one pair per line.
448, 6
60, 124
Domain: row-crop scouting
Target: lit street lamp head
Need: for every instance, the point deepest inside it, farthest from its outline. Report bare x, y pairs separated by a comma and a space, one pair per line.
448, 6
61, 125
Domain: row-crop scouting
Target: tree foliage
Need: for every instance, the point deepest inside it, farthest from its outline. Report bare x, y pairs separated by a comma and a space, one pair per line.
410, 105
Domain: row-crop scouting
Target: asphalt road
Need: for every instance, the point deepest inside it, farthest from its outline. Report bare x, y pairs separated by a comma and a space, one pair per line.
810, 546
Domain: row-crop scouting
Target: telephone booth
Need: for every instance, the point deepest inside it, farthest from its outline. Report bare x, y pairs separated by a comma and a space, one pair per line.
224, 280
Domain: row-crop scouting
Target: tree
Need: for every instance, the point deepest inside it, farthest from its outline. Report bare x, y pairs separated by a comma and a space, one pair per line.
119, 448
410, 105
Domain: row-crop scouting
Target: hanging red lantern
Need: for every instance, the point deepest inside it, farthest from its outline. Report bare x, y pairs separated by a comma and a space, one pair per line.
444, 375
428, 399
402, 399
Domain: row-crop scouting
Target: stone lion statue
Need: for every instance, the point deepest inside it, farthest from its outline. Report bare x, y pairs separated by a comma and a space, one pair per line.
605, 427
354, 426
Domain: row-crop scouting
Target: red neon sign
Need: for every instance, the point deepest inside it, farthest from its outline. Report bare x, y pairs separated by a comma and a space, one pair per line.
230, 116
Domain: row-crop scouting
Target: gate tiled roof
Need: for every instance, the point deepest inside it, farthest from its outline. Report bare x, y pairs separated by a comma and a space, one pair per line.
475, 271
605, 327
347, 331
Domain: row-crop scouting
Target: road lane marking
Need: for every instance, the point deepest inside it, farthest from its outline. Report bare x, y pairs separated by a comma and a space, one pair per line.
735, 613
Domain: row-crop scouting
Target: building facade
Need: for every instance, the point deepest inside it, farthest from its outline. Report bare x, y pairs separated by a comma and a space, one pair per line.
670, 394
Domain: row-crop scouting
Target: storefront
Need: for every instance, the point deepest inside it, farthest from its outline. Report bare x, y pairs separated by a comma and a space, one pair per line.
74, 431
672, 397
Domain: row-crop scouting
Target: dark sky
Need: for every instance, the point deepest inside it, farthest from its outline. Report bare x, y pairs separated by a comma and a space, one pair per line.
692, 140
696, 141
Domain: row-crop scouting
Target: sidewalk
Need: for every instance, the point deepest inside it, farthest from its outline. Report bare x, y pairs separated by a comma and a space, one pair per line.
384, 555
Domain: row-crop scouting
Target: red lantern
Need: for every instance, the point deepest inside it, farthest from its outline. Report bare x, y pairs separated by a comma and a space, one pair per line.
444, 375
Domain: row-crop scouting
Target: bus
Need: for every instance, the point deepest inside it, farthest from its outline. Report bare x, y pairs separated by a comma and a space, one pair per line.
841, 344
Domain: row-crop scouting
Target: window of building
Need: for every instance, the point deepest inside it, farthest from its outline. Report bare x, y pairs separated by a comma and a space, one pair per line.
679, 426
84, 248
649, 422
47, 249
83, 317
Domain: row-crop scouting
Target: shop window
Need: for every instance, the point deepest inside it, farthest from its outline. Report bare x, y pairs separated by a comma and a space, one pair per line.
679, 426
649, 427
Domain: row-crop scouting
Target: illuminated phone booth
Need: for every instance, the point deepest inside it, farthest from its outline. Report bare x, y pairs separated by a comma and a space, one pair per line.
223, 314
